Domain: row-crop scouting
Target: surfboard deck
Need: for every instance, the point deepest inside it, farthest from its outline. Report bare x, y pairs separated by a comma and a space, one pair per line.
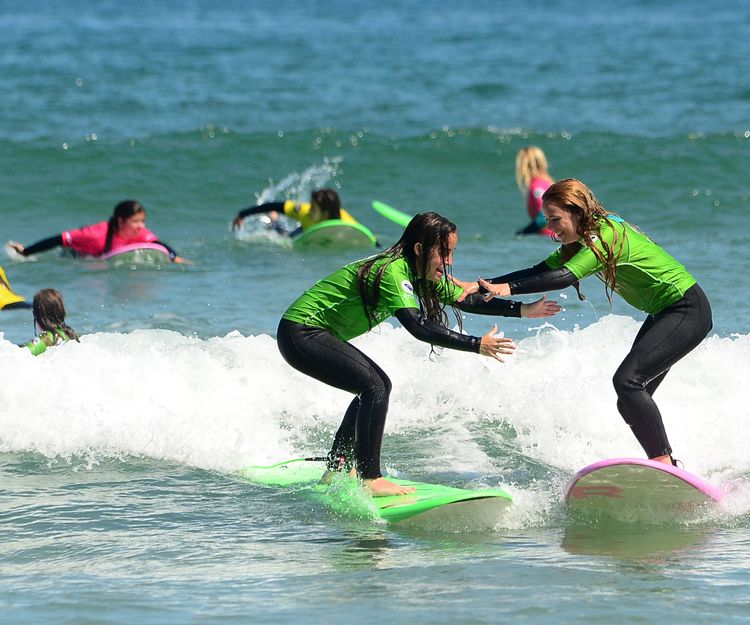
639, 490
395, 215
334, 233
138, 254
431, 506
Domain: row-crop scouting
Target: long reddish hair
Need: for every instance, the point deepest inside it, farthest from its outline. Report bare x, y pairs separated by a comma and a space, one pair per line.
575, 197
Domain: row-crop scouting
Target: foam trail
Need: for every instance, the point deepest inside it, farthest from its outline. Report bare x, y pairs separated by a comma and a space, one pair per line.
294, 185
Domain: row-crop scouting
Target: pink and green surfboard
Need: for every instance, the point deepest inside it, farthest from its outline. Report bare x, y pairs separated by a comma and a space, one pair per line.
635, 489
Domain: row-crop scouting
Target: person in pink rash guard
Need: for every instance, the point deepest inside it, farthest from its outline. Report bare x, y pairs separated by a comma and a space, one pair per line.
90, 240
126, 226
532, 179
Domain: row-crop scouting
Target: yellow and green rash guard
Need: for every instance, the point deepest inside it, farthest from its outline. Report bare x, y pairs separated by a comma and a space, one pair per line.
647, 277
335, 303
301, 212
46, 339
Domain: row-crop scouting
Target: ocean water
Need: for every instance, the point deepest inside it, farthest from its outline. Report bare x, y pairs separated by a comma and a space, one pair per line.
119, 500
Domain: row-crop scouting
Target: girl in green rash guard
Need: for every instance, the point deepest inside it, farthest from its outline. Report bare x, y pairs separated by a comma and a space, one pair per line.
595, 241
49, 322
407, 280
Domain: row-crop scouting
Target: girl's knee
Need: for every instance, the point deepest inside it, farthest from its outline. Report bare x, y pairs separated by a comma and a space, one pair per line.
382, 388
378, 387
623, 381
387, 384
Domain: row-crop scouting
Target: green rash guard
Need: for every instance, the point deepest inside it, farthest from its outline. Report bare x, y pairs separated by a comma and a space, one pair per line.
335, 303
647, 277
47, 339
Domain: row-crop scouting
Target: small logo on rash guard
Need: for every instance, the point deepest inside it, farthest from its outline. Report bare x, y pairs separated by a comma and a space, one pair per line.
407, 287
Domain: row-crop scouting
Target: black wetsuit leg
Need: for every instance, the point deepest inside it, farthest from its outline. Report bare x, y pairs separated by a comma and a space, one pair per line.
319, 354
662, 340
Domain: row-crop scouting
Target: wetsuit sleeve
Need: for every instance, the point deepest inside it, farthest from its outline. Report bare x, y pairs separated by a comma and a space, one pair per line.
532, 228
521, 273
172, 252
43, 245
536, 279
421, 328
261, 209
502, 307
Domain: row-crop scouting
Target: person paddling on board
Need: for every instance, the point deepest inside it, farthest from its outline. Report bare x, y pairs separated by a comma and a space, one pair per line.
533, 180
407, 280
595, 241
126, 226
49, 322
8, 298
324, 205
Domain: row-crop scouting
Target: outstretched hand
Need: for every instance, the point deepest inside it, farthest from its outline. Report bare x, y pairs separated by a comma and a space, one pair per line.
16, 246
493, 345
469, 288
540, 308
494, 290
237, 223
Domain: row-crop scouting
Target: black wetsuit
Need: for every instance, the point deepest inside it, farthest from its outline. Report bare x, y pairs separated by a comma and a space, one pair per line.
663, 339
57, 241
318, 353
262, 209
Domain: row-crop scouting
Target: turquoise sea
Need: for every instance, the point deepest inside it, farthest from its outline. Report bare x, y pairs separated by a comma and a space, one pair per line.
119, 502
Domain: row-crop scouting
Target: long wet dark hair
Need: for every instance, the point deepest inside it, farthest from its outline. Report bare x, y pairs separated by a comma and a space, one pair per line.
49, 315
431, 231
124, 210
575, 197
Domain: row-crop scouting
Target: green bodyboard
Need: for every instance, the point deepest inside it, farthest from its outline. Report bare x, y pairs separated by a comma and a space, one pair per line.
395, 215
335, 233
431, 506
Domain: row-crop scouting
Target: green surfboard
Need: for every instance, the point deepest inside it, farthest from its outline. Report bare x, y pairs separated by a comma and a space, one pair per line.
395, 215
335, 233
432, 506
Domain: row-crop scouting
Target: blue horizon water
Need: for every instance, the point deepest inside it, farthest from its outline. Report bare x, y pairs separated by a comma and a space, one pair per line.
120, 501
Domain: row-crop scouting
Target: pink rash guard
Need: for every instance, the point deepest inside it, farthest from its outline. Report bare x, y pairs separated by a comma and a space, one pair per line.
537, 187
90, 240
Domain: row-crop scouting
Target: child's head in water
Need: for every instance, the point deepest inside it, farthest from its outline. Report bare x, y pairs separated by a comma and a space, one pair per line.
326, 204
49, 314
128, 219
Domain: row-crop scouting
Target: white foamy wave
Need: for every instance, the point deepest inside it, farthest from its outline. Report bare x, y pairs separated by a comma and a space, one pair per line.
153, 392
231, 401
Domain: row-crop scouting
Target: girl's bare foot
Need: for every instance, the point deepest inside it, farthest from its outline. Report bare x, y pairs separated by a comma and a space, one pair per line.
380, 487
